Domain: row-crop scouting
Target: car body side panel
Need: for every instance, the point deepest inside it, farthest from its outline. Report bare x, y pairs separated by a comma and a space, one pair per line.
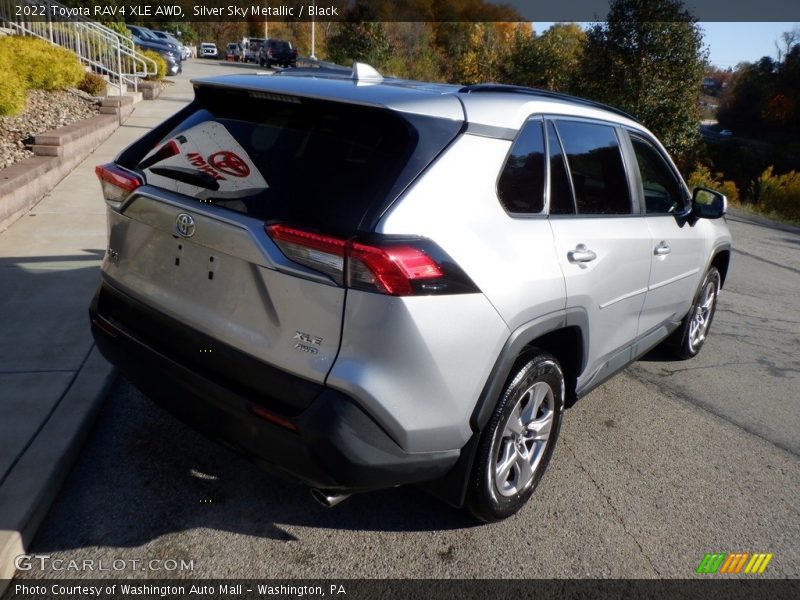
511, 259
674, 277
611, 288
418, 364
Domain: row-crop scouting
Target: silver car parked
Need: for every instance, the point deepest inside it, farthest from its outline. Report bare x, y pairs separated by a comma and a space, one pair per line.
363, 283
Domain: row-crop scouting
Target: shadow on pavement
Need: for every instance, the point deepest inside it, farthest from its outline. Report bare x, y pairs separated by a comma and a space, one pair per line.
144, 474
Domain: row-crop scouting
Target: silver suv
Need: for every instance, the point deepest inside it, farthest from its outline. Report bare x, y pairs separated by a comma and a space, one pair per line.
363, 283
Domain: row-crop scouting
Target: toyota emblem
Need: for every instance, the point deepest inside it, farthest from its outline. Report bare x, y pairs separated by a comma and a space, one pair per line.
184, 225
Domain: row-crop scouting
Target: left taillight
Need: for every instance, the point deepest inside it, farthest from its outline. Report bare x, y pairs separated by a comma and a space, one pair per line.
117, 183
397, 268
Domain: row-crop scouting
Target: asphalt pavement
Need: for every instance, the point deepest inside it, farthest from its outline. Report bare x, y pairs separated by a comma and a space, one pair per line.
665, 462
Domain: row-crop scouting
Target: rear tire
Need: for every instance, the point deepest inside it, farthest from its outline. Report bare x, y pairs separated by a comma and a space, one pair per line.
689, 338
517, 443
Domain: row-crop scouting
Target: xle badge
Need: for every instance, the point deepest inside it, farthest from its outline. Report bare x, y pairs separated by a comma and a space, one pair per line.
306, 342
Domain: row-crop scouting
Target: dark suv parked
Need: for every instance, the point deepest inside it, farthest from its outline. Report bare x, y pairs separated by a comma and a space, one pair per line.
277, 52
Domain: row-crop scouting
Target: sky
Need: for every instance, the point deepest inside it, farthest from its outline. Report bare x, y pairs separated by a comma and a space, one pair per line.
732, 43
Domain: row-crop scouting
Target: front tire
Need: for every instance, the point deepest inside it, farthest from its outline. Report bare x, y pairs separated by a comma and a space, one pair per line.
689, 338
516, 446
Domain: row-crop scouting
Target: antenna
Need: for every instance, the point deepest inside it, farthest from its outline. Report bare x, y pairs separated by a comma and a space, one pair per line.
364, 72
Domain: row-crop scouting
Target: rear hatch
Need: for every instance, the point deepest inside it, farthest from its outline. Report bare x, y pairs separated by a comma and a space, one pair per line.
194, 203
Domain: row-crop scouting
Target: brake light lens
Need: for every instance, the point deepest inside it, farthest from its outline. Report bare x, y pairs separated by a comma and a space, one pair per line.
390, 269
117, 183
387, 268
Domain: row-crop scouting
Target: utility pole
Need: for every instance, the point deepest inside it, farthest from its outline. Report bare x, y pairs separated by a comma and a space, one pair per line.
313, 38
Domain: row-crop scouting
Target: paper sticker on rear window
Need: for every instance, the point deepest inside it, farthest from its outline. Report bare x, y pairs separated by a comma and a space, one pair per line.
204, 161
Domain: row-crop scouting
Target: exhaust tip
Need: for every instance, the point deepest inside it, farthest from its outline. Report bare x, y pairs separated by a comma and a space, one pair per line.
327, 499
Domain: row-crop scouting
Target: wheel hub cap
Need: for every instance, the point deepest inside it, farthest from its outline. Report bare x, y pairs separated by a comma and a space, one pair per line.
524, 438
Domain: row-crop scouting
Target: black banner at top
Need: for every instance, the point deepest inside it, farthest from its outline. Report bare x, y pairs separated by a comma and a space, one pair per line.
378, 10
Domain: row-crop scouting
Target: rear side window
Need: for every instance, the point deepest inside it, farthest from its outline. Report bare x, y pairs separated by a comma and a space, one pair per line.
595, 163
309, 162
521, 183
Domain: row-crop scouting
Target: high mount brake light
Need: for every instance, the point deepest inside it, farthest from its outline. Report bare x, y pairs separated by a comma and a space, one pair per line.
117, 183
388, 268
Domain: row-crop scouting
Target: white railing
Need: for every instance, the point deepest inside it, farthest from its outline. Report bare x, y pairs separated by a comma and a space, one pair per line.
104, 50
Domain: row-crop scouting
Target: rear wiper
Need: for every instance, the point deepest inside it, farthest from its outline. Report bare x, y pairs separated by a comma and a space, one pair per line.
189, 176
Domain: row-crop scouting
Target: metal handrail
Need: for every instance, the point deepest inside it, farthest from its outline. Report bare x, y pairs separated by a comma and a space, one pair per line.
102, 49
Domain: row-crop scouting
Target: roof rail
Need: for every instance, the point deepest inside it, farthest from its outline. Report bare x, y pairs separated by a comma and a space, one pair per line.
519, 89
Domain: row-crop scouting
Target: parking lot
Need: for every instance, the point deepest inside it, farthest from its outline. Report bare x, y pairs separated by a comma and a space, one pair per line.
666, 462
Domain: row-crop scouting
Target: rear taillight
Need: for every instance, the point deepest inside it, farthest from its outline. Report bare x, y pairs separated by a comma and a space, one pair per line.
397, 268
117, 183
319, 252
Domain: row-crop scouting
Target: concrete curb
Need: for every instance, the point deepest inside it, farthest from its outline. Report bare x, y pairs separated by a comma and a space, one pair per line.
35, 480
58, 152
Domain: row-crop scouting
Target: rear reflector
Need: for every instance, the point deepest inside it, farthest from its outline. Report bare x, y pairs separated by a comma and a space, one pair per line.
394, 268
117, 183
272, 417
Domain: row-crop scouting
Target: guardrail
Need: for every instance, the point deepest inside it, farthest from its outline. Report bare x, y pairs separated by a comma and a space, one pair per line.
102, 49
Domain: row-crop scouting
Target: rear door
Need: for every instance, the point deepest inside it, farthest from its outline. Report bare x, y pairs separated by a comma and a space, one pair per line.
602, 242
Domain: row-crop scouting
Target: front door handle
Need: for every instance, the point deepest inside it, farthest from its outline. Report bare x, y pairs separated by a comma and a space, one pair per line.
662, 249
581, 254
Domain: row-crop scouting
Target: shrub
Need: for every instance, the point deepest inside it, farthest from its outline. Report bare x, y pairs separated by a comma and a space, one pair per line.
39, 64
93, 84
702, 176
12, 92
780, 194
160, 64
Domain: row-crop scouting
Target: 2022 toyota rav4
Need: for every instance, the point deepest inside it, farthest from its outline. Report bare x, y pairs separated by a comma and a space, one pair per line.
363, 283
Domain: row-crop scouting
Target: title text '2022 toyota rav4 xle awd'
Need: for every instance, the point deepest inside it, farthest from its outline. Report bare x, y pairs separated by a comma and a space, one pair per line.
363, 283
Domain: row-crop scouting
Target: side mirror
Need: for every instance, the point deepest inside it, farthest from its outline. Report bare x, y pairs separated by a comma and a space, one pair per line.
708, 204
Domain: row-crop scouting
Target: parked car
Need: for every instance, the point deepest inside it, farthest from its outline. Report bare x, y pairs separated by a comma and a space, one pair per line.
233, 52
363, 286
277, 52
185, 52
208, 50
251, 48
148, 35
171, 57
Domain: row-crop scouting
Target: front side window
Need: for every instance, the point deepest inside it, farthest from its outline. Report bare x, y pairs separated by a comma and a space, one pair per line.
521, 184
595, 163
663, 193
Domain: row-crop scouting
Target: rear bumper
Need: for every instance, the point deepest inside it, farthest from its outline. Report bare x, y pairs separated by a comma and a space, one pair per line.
332, 444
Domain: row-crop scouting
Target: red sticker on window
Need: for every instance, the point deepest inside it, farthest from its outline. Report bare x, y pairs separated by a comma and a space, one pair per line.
229, 163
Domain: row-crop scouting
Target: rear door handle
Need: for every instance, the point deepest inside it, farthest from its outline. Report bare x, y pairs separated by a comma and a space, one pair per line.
662, 249
581, 254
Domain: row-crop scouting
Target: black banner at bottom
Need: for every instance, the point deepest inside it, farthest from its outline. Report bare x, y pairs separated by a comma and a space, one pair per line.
355, 589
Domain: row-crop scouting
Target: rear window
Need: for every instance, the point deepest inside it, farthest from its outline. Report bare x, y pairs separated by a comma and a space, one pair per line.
317, 163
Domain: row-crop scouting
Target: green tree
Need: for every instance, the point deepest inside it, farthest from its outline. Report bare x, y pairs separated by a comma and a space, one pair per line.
552, 60
648, 59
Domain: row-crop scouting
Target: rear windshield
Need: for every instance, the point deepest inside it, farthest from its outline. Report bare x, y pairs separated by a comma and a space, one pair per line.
317, 163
